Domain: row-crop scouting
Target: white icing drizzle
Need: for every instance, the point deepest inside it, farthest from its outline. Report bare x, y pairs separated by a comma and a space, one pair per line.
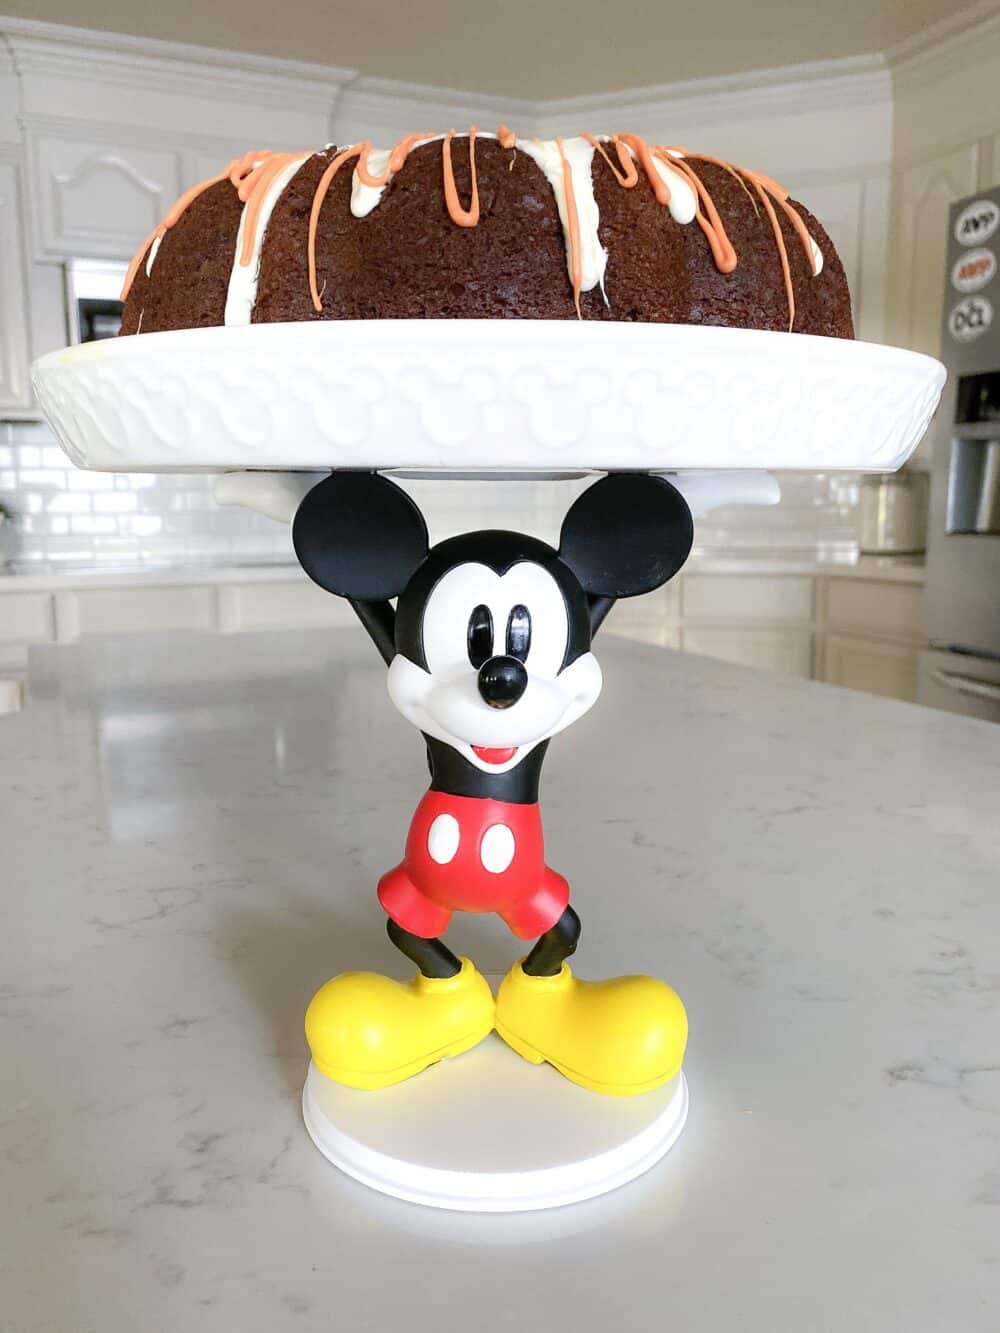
365, 197
817, 255
579, 155
243, 277
683, 203
152, 254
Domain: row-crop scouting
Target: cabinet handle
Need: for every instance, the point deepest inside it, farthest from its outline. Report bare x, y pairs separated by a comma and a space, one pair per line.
979, 689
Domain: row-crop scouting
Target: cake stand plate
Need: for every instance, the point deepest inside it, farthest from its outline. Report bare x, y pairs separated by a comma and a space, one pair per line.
547, 396
490, 1133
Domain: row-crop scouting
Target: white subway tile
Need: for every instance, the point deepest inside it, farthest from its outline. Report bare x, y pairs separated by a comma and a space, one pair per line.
115, 502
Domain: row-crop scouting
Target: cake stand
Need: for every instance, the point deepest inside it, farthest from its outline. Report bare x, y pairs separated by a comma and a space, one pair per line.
465, 396
276, 407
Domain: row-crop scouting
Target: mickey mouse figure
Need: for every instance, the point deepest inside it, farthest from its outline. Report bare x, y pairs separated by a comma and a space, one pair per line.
488, 650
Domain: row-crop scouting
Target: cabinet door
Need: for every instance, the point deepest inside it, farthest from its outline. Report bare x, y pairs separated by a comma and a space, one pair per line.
782, 599
785, 650
925, 193
870, 665
99, 199
293, 604
893, 610
14, 390
90, 612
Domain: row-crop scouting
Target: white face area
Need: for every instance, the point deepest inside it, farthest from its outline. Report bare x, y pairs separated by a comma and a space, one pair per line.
445, 702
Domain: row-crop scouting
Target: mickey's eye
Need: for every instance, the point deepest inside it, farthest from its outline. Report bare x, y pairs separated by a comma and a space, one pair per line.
480, 636
519, 632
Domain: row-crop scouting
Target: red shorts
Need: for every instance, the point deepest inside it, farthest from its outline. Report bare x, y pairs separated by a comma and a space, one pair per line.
469, 854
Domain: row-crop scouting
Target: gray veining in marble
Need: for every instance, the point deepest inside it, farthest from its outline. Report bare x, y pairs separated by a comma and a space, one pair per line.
191, 830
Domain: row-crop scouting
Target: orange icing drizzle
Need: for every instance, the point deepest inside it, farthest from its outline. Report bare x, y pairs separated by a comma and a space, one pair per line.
626, 173
706, 215
462, 217
645, 155
250, 175
253, 173
252, 191
322, 187
766, 189
573, 218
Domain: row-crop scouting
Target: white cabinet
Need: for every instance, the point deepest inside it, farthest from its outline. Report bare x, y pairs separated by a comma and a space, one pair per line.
15, 393
786, 650
91, 612
756, 620
876, 606
293, 604
872, 665
741, 597
25, 618
98, 197
874, 631
857, 631
924, 193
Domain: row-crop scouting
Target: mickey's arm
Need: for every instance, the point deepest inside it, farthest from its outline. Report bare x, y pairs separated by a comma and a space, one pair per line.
356, 534
631, 532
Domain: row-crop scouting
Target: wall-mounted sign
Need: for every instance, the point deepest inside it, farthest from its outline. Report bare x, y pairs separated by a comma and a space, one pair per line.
970, 318
971, 272
977, 222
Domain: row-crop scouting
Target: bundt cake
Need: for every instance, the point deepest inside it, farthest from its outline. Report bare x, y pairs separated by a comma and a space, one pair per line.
489, 226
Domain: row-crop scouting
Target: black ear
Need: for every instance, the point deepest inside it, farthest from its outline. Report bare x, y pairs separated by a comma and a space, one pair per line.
626, 534
359, 536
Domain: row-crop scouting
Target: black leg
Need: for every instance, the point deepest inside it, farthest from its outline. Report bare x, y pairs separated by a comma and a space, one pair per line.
433, 957
554, 947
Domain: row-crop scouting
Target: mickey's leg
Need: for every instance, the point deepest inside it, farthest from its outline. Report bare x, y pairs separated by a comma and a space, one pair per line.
369, 1031
554, 947
622, 1036
433, 957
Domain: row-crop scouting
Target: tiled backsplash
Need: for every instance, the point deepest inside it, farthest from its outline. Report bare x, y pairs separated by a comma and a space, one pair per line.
69, 517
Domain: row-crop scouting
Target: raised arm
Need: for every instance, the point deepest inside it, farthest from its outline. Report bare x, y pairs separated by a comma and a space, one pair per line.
355, 534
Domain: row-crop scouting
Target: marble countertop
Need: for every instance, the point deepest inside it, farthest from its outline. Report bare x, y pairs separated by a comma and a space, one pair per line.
36, 576
190, 845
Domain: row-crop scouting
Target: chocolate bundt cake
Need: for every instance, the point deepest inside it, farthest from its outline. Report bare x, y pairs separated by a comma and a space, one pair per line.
483, 226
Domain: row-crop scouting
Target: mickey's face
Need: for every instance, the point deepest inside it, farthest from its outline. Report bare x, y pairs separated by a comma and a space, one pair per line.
493, 639
489, 646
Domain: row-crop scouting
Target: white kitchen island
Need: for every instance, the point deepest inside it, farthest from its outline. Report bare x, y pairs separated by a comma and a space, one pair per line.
192, 828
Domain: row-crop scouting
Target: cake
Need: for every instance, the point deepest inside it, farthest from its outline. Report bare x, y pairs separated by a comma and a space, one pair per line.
489, 226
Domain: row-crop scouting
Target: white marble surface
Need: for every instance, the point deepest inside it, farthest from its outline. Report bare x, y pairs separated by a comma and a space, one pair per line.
191, 833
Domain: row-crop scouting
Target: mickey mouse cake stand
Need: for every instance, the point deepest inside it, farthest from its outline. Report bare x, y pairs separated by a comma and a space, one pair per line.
566, 1088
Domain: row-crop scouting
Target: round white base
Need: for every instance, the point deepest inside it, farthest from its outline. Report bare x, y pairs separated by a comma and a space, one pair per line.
489, 1132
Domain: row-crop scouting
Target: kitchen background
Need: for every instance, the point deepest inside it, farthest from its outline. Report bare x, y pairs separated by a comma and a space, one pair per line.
99, 132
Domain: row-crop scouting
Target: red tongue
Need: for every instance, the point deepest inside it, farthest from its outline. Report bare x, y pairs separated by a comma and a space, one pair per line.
489, 756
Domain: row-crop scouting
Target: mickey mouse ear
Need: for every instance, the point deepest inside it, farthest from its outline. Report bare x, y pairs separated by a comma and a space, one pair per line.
358, 535
627, 534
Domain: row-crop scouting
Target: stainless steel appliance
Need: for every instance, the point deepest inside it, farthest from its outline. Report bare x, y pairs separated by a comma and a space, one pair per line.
92, 305
961, 671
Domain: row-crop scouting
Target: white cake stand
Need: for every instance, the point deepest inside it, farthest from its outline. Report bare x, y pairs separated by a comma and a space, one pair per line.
460, 396
490, 1133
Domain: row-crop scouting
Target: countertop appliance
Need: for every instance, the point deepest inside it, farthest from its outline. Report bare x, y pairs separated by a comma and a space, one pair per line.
93, 307
961, 670
892, 513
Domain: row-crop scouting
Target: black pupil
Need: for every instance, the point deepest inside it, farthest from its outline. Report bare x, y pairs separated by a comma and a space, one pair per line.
519, 633
480, 636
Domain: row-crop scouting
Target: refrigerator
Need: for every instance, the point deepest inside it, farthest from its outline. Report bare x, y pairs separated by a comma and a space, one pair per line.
960, 671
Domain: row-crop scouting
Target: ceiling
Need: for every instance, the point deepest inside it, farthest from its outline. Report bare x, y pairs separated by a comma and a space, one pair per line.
536, 49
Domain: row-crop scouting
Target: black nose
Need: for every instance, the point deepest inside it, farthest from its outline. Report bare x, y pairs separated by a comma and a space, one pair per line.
502, 681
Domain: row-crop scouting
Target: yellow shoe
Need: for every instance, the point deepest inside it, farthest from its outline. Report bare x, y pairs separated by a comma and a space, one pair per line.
620, 1037
368, 1031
